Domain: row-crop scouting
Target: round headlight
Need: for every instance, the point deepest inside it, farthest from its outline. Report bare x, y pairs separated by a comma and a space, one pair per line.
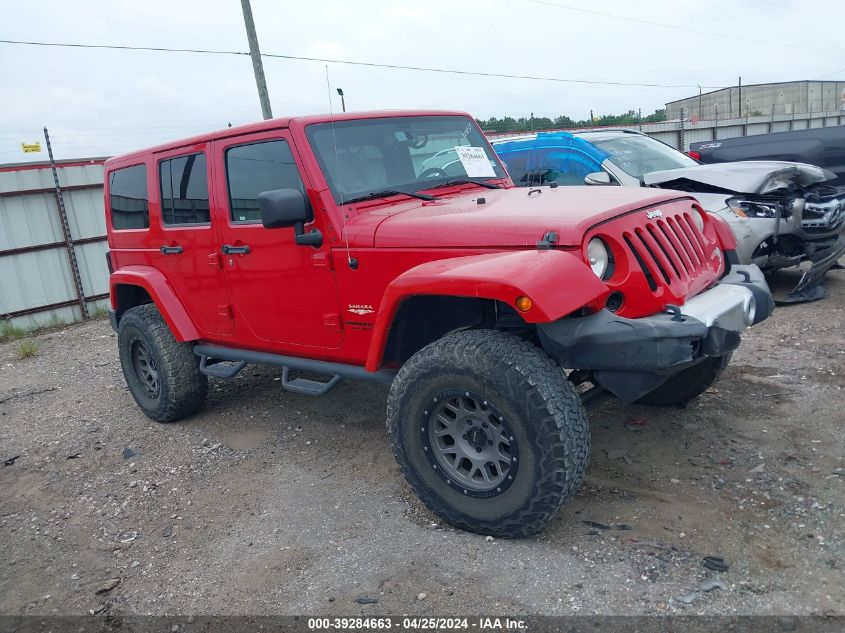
698, 219
598, 256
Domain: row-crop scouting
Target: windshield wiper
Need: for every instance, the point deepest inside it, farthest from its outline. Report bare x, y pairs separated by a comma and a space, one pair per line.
389, 192
472, 181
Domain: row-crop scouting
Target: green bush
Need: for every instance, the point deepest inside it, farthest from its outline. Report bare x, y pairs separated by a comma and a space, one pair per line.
27, 349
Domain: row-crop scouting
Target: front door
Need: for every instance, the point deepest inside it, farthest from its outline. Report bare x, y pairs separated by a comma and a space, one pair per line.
281, 291
188, 253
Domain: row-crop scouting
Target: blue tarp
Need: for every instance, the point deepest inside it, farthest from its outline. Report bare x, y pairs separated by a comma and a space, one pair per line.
550, 157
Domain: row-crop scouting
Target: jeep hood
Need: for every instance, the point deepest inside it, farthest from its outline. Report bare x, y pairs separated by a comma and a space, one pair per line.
501, 218
747, 177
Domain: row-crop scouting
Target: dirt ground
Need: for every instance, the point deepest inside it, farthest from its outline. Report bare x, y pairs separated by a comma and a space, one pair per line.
273, 503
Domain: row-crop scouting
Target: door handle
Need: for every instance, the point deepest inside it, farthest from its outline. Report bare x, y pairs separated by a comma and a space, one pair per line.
228, 249
170, 250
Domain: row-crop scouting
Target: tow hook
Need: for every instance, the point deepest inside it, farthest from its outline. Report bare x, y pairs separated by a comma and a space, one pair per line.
675, 311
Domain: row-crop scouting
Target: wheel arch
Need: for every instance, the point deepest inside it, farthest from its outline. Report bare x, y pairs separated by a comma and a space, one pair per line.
138, 285
481, 287
422, 319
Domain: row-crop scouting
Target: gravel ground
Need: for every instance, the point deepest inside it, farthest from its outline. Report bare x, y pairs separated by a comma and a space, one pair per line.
268, 502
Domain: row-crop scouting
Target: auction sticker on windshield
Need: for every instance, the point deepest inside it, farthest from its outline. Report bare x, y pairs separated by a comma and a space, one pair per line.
475, 161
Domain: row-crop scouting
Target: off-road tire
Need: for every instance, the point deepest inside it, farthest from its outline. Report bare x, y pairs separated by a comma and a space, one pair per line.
542, 410
182, 387
688, 384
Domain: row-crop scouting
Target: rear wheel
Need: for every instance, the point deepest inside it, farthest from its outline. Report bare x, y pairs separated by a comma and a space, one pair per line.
163, 374
488, 432
688, 384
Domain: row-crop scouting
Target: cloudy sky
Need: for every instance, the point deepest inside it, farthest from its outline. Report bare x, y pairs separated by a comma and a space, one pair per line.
102, 102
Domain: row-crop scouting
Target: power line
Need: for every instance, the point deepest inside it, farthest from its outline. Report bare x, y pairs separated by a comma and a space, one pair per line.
96, 129
835, 72
348, 62
676, 27
105, 133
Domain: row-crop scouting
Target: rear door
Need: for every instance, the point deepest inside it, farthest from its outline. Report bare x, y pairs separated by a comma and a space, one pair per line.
283, 292
189, 251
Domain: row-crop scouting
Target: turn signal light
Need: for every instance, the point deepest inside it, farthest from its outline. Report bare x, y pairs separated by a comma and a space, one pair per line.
523, 304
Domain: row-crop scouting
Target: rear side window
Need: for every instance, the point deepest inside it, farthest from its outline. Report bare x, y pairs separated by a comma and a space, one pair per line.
184, 190
251, 169
130, 207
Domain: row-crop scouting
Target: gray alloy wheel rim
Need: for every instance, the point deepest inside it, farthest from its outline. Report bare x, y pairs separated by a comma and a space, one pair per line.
146, 369
469, 444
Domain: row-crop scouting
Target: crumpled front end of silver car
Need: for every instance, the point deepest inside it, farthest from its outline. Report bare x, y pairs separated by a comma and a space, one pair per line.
798, 226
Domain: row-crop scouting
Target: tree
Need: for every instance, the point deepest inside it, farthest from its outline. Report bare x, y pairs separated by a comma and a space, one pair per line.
527, 124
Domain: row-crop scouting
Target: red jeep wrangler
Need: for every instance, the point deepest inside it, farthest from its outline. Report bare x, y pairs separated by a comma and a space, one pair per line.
393, 247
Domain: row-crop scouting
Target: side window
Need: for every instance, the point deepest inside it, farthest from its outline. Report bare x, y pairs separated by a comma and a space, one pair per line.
130, 208
251, 169
517, 164
184, 190
565, 166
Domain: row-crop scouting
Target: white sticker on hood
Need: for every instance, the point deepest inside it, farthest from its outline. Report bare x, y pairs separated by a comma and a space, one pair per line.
475, 161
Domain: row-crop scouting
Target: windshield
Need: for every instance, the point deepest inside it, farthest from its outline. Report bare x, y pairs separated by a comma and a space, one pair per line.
400, 154
637, 155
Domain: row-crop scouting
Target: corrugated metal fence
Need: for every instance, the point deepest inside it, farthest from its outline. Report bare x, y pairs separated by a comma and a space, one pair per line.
680, 134
37, 284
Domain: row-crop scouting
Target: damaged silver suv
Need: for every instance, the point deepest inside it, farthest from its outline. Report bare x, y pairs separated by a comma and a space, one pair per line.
783, 214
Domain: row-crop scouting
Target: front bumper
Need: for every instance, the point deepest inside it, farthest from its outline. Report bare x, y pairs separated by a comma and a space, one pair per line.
631, 357
809, 287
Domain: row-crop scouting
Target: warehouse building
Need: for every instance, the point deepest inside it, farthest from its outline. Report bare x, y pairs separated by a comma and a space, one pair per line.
790, 97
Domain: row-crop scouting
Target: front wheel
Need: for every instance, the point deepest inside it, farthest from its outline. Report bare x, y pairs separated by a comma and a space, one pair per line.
687, 384
488, 432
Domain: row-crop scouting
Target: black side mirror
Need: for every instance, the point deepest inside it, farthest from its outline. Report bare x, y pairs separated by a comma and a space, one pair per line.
288, 207
282, 207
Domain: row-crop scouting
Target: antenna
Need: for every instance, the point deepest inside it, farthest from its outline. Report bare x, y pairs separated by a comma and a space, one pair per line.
353, 263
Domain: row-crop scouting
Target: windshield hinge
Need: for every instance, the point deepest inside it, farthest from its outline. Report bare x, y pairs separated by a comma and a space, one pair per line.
549, 240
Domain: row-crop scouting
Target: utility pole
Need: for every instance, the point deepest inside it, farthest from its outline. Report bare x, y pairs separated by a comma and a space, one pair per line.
342, 99
699, 102
739, 100
257, 66
716, 121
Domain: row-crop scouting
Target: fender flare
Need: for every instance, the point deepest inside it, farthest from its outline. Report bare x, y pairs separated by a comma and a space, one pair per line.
162, 294
557, 282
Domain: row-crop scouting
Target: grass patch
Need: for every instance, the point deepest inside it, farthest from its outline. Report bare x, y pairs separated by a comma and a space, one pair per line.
98, 312
27, 349
9, 332
53, 323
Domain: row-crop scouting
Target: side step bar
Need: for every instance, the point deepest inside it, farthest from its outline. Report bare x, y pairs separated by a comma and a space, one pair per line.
220, 370
240, 358
307, 387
